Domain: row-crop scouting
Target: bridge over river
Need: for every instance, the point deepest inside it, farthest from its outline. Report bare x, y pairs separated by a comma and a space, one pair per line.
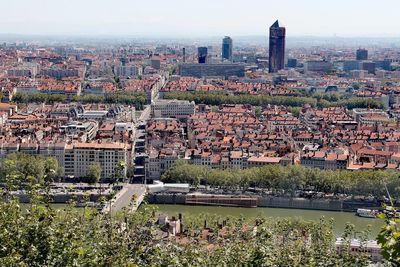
130, 196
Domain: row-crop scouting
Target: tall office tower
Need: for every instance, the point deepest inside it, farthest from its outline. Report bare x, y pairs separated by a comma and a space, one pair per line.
276, 47
292, 63
184, 54
362, 54
202, 54
227, 48
124, 60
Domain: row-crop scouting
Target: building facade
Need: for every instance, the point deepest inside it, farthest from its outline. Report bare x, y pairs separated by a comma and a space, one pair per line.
224, 70
77, 157
128, 71
172, 109
107, 155
318, 66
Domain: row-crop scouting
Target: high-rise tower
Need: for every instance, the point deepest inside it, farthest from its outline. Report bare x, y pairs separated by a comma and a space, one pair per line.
362, 54
276, 47
202, 53
227, 48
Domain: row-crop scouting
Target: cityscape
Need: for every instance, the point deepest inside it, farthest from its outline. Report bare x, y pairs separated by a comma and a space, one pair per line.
216, 147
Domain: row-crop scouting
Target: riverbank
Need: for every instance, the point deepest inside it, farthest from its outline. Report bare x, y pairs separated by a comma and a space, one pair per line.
262, 201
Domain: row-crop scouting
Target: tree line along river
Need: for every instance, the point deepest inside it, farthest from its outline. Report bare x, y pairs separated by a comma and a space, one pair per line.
340, 219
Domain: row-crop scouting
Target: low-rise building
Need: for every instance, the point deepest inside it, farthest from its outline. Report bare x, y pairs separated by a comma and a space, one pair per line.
212, 70
325, 161
172, 109
318, 66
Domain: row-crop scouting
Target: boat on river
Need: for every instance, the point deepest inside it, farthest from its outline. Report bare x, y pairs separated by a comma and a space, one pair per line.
367, 213
221, 200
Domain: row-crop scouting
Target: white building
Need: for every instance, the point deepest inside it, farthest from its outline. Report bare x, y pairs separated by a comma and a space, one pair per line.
128, 70
60, 73
76, 158
108, 155
26, 70
86, 130
172, 109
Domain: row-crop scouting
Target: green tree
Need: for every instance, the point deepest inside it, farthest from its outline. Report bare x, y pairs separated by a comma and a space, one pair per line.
20, 98
130, 171
93, 173
51, 169
119, 172
289, 178
318, 100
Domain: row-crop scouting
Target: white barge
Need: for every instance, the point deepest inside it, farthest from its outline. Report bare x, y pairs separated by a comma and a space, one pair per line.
367, 213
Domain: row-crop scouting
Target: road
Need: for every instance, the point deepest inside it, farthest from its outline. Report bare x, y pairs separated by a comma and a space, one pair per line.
124, 198
145, 115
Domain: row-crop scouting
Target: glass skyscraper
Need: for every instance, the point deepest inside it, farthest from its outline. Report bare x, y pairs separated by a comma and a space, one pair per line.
227, 48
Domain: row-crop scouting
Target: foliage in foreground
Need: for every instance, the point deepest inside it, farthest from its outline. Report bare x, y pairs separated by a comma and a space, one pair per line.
389, 236
38, 235
42, 236
288, 178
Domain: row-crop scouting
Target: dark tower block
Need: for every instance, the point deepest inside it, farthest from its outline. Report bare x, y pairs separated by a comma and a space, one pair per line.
227, 48
362, 54
276, 47
202, 53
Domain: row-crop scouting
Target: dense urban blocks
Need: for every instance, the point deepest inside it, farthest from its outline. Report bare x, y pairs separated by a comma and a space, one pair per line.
323, 125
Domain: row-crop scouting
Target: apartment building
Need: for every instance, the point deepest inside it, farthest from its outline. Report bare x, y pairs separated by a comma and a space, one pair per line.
58, 151
371, 116
60, 73
325, 161
128, 70
85, 131
158, 162
76, 158
318, 66
25, 70
108, 155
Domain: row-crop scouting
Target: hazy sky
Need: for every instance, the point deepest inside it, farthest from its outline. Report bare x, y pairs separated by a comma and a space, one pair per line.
186, 18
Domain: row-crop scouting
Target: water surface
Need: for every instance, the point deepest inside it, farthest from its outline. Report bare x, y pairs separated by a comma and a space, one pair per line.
339, 224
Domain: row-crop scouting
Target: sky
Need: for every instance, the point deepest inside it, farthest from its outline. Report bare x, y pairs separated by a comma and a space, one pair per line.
188, 18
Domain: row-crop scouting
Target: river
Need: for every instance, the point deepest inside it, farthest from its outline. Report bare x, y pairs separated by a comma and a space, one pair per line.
339, 223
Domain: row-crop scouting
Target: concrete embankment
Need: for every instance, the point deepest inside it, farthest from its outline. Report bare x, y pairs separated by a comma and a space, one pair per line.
270, 202
62, 198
